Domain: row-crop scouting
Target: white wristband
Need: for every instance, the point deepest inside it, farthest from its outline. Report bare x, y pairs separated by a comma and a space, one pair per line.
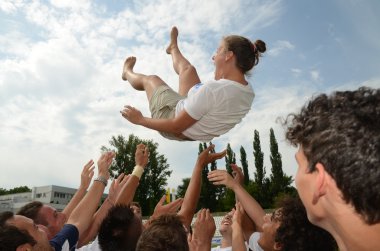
138, 171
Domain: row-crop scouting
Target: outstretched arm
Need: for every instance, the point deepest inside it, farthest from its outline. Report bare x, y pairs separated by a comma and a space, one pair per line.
102, 212
174, 125
250, 205
85, 180
247, 224
204, 229
237, 229
192, 194
82, 214
128, 190
161, 209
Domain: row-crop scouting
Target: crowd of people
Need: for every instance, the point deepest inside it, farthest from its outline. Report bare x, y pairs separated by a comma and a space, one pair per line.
338, 175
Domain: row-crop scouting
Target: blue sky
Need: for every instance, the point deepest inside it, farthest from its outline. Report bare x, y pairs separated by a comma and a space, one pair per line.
60, 73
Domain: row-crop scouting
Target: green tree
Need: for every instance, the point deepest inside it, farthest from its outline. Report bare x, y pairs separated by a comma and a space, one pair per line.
259, 160
259, 188
244, 165
230, 158
280, 183
181, 189
207, 198
20, 189
153, 181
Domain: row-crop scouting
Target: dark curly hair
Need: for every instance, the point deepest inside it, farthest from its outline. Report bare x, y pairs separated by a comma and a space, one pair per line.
342, 132
296, 233
164, 233
120, 230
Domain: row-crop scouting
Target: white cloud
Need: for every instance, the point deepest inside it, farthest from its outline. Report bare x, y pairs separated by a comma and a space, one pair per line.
315, 75
279, 47
296, 72
10, 6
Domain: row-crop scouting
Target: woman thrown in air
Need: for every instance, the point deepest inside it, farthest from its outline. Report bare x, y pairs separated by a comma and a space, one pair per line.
199, 111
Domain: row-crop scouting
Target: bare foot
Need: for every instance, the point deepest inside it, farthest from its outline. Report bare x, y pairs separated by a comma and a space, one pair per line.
128, 66
173, 40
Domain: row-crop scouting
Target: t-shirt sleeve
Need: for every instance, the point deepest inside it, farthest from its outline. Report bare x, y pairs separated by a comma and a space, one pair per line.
253, 245
66, 239
199, 103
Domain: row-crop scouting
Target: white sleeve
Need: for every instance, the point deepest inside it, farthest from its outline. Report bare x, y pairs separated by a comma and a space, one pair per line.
198, 104
253, 245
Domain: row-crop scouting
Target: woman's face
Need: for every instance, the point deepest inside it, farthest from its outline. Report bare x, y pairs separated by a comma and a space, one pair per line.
219, 58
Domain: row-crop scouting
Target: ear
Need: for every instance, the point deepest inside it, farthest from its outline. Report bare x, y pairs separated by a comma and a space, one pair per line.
277, 246
320, 183
24, 247
228, 55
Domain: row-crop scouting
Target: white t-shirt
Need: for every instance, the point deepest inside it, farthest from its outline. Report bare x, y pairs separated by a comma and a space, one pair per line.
94, 246
218, 248
253, 245
217, 106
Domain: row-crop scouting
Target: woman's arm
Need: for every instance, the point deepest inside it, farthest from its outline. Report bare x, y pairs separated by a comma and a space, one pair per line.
174, 125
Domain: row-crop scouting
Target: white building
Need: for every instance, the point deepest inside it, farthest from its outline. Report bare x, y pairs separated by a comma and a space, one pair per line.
56, 196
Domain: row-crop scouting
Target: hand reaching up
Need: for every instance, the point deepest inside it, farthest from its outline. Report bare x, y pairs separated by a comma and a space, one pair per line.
203, 231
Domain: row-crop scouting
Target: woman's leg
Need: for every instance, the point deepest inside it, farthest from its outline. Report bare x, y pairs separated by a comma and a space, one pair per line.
188, 76
140, 81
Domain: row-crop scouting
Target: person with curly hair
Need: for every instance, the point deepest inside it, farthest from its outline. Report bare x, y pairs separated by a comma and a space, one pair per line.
287, 228
199, 110
338, 176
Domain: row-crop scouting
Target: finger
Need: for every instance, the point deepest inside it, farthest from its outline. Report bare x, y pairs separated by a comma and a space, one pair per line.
219, 155
177, 204
91, 174
162, 200
89, 164
89, 170
207, 214
113, 184
210, 147
120, 178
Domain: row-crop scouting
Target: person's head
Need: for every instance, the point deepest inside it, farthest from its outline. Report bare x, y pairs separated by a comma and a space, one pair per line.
225, 227
288, 228
20, 233
339, 146
164, 233
245, 53
44, 215
120, 230
136, 208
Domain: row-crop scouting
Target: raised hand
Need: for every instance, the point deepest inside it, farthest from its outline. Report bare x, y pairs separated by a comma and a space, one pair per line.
116, 187
142, 155
172, 207
237, 173
86, 175
207, 156
132, 114
221, 177
104, 163
203, 231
